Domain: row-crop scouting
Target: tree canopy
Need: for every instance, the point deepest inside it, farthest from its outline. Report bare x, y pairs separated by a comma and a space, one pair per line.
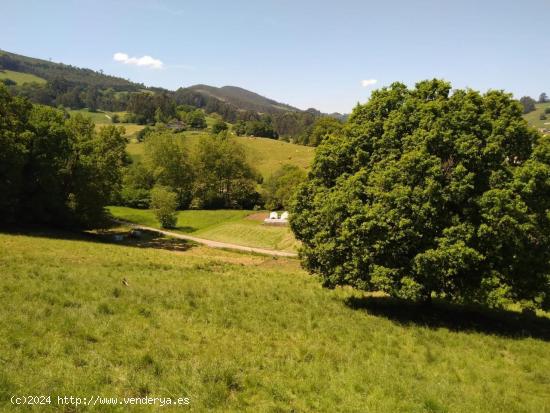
428, 193
528, 104
224, 179
55, 170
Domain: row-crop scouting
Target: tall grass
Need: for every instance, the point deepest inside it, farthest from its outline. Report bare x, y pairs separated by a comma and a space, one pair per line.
237, 332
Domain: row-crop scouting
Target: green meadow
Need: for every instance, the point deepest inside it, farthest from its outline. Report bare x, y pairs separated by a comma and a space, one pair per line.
534, 117
233, 226
266, 155
244, 333
20, 77
101, 118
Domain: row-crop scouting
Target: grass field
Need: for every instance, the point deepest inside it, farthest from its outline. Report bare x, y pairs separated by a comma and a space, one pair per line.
244, 333
534, 117
101, 118
266, 155
233, 226
20, 77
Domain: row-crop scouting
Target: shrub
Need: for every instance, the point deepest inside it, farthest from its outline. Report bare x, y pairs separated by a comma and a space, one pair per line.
135, 197
431, 193
164, 203
142, 134
219, 126
9, 82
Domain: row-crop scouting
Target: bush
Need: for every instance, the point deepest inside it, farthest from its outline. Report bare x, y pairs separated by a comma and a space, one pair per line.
135, 197
164, 203
9, 82
142, 134
431, 194
547, 110
219, 126
115, 118
542, 116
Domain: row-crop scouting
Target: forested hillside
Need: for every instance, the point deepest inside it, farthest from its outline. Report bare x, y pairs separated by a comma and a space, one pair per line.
58, 84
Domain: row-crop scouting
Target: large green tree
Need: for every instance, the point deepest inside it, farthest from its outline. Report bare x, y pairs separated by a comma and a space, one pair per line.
428, 193
168, 160
224, 179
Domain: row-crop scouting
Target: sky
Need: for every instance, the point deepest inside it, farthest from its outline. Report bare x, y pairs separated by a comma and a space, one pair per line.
321, 54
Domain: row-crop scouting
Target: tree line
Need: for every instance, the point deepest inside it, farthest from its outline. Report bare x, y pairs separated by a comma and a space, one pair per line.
60, 170
55, 169
76, 88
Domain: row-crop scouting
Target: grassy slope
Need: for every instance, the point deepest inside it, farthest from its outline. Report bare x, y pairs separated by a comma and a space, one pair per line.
101, 118
533, 117
266, 155
221, 225
20, 77
236, 333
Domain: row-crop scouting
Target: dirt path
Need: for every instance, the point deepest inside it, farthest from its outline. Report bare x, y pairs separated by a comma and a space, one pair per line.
214, 244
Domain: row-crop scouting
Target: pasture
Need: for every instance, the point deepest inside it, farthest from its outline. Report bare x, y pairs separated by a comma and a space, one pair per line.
101, 118
20, 77
266, 155
245, 333
533, 118
232, 226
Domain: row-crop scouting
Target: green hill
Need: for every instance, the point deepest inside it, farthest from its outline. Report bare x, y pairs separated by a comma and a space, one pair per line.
534, 117
266, 155
20, 77
51, 71
243, 99
235, 332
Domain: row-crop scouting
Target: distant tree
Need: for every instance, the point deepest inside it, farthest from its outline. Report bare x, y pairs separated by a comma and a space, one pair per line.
164, 203
219, 126
168, 160
91, 99
224, 179
137, 183
159, 116
431, 193
196, 119
261, 128
142, 105
528, 104
543, 98
322, 128
239, 128
281, 185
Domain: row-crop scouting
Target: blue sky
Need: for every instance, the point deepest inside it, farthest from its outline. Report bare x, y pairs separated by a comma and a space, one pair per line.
305, 53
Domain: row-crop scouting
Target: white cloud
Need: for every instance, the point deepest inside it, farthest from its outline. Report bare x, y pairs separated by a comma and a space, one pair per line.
145, 61
368, 82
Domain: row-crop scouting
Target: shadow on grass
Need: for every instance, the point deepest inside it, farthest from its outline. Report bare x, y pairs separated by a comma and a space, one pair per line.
455, 317
186, 229
115, 236
141, 239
